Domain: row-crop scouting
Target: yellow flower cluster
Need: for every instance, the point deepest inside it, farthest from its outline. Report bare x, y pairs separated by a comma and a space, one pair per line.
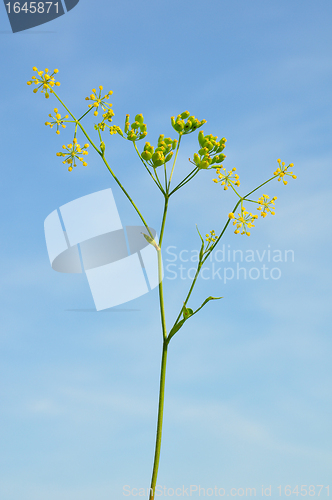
187, 127
265, 205
132, 131
72, 151
227, 178
44, 81
211, 237
57, 120
282, 170
244, 221
100, 101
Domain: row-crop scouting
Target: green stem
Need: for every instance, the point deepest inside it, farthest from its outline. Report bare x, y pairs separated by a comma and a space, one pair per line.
271, 178
160, 420
107, 165
184, 181
163, 363
186, 299
140, 157
176, 155
160, 268
127, 195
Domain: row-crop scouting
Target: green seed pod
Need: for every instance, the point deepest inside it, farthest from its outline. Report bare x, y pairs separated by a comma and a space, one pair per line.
204, 164
135, 125
126, 127
118, 130
173, 121
139, 118
148, 147
203, 151
221, 148
201, 138
168, 157
158, 159
221, 158
197, 159
160, 139
143, 127
187, 126
174, 143
157, 156
146, 155
185, 115
179, 125
131, 136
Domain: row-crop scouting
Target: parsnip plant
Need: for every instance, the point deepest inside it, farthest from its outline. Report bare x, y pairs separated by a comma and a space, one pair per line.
159, 162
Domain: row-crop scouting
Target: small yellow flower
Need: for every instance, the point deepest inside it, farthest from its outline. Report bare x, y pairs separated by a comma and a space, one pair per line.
57, 120
100, 101
211, 237
244, 221
73, 151
266, 205
44, 81
227, 179
282, 170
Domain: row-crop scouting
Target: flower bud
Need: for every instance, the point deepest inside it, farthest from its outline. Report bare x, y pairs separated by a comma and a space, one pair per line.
169, 156
203, 164
179, 125
187, 126
146, 155
126, 127
139, 118
197, 159
203, 151
201, 138
158, 158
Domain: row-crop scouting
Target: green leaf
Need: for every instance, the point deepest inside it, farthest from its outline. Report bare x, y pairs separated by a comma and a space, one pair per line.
187, 312
176, 327
202, 245
151, 241
206, 301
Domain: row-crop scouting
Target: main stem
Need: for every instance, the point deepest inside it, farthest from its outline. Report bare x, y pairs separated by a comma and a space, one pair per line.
163, 361
160, 420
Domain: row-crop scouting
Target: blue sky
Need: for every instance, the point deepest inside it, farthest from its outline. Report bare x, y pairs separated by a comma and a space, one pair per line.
248, 395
